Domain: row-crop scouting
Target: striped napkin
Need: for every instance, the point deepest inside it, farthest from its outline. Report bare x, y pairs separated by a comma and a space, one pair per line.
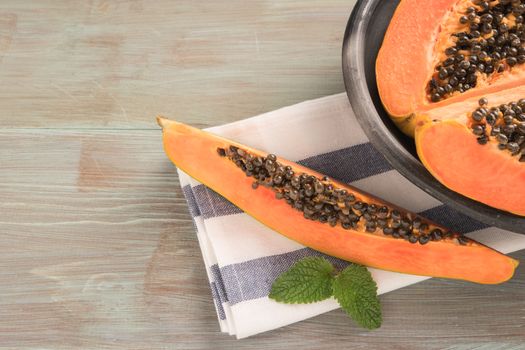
243, 257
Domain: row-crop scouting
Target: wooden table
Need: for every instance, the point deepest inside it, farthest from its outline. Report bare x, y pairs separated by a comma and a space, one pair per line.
98, 248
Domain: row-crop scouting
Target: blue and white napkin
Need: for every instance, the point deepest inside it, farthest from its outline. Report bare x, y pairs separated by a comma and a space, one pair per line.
243, 257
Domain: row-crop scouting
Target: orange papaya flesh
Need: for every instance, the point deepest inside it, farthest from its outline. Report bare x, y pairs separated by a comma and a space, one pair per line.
412, 66
415, 44
403, 67
446, 148
216, 162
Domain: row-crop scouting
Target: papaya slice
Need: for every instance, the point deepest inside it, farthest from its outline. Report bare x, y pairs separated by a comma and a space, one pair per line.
327, 215
451, 74
490, 190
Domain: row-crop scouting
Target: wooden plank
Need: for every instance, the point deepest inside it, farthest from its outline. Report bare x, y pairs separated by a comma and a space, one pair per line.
99, 63
100, 252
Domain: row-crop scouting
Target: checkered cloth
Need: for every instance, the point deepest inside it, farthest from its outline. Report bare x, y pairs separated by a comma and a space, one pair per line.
243, 257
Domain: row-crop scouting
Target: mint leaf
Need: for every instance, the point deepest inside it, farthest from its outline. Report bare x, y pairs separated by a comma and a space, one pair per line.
356, 292
307, 281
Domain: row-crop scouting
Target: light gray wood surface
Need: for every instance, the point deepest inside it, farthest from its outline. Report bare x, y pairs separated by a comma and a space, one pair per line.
98, 248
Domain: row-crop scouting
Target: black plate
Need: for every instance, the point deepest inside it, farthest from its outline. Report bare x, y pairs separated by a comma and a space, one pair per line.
363, 38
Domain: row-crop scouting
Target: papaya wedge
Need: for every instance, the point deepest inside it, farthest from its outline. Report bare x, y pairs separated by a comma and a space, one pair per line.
327, 215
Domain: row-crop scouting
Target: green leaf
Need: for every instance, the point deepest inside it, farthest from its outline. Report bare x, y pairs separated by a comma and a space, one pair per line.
307, 281
356, 292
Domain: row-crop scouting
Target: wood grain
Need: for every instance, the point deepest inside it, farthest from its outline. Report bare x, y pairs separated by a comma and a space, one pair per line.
97, 63
99, 251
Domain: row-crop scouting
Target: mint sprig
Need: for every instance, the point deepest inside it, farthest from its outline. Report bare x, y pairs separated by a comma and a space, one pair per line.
314, 279
307, 281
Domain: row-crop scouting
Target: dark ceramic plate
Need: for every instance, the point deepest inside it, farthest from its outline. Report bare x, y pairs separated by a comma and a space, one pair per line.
363, 38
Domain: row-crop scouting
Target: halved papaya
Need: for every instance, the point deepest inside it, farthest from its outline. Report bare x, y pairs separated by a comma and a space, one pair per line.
451, 73
327, 215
